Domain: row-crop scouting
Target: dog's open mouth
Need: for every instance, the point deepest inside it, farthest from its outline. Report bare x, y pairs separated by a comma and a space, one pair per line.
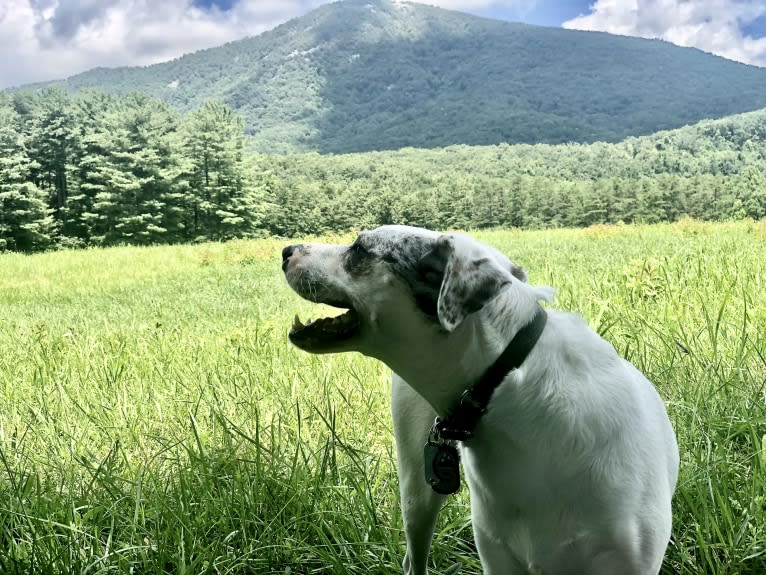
320, 334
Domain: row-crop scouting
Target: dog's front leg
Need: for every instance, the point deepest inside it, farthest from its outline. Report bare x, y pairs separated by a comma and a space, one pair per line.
413, 418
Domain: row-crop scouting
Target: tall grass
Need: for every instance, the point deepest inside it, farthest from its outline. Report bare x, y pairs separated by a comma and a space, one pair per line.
154, 419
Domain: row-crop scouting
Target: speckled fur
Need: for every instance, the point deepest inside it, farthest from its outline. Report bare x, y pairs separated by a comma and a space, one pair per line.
573, 467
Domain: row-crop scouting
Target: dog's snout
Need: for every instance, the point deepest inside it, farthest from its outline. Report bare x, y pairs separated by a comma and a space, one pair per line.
287, 253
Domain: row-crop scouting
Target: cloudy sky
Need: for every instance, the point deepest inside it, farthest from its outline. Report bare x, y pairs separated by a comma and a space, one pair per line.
48, 39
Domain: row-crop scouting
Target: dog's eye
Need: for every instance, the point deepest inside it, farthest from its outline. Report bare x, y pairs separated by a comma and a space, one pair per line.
357, 258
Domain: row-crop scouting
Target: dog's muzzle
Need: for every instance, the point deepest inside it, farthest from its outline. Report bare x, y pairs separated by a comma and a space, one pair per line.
326, 334
287, 253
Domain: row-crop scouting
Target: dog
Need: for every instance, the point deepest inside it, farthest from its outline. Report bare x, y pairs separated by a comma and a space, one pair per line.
571, 460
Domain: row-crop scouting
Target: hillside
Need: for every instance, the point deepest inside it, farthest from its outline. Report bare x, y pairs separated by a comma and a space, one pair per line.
726, 147
365, 75
713, 170
93, 169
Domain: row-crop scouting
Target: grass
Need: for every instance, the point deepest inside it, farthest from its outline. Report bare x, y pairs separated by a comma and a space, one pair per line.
154, 419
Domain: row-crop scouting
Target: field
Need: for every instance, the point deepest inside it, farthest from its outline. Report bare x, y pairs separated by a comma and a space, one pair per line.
154, 418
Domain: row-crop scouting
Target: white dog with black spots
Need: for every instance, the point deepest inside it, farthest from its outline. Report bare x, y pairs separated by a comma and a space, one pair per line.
572, 467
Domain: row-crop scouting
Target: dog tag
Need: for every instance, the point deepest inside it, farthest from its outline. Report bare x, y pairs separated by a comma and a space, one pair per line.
442, 467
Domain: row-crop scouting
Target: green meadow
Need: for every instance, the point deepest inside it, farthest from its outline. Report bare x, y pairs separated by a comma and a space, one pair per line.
155, 419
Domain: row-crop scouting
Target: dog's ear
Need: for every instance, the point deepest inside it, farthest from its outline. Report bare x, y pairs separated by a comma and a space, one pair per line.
469, 278
518, 272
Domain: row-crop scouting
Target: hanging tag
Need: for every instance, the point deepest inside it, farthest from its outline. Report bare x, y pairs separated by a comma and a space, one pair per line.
442, 467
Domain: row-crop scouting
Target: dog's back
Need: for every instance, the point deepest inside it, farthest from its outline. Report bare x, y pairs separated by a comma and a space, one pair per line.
557, 474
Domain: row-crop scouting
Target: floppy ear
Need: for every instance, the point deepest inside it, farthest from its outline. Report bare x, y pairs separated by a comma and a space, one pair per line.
518, 272
470, 278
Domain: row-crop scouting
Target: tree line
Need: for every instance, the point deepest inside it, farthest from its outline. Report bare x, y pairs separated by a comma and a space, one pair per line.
96, 170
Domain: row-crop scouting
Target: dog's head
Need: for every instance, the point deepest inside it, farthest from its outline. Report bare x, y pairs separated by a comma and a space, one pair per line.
396, 282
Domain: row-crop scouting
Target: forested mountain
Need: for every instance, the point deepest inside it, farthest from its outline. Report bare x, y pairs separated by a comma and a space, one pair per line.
94, 169
363, 75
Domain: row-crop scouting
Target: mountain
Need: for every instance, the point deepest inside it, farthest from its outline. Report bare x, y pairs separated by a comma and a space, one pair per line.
363, 75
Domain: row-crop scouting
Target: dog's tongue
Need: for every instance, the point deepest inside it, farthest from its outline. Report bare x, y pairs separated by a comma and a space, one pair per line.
338, 327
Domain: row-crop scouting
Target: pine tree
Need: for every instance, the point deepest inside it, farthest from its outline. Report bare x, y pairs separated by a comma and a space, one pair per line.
95, 113
222, 206
136, 179
26, 223
52, 146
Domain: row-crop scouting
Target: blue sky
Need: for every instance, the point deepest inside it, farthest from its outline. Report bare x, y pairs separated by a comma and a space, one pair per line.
543, 13
221, 4
49, 39
756, 28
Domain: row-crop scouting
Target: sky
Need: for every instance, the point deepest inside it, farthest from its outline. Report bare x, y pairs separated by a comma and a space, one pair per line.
50, 39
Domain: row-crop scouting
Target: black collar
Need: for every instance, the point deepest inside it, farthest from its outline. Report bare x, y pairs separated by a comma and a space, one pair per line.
461, 422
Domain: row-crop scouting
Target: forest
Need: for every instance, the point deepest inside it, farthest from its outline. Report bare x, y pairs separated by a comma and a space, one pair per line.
94, 169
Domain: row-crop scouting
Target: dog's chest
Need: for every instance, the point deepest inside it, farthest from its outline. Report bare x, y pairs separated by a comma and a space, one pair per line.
514, 501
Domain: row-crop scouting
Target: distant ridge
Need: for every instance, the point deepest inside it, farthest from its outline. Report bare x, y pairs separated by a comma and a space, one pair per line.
363, 75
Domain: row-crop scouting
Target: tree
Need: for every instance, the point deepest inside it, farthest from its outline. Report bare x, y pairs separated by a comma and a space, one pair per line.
52, 146
753, 193
26, 223
136, 180
95, 113
221, 206
487, 206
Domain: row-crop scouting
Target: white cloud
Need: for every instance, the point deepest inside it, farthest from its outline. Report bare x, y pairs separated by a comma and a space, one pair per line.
49, 39
714, 26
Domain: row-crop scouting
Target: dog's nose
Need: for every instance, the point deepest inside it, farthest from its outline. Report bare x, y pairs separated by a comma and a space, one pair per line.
286, 253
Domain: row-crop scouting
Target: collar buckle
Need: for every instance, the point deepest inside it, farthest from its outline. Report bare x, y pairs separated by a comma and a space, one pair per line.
460, 426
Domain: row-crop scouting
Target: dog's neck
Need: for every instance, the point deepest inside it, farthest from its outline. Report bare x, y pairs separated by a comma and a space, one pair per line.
444, 365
